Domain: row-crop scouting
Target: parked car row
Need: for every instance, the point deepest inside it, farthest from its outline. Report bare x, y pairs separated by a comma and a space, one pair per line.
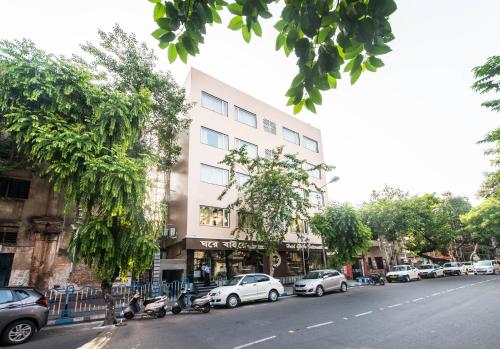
406, 273
251, 287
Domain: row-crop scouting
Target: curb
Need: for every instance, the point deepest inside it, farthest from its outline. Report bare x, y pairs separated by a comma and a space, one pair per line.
73, 320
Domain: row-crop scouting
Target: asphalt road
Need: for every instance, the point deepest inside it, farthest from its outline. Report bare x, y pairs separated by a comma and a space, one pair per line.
447, 313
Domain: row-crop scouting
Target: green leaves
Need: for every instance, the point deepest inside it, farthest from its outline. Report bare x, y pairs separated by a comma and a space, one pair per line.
322, 34
236, 23
172, 53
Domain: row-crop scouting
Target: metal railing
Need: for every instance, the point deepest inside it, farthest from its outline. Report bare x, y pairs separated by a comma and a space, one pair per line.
73, 302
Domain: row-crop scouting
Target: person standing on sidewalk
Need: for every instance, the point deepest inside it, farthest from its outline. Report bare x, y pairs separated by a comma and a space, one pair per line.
206, 274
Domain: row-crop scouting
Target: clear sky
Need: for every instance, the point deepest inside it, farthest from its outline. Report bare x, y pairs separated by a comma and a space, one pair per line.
414, 124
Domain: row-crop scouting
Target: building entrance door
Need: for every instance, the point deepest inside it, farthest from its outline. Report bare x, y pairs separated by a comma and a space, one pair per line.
5, 267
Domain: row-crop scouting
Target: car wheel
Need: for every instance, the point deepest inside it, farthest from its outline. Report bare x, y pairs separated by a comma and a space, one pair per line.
320, 291
389, 280
343, 287
128, 315
407, 278
232, 301
273, 296
176, 310
459, 273
18, 332
382, 282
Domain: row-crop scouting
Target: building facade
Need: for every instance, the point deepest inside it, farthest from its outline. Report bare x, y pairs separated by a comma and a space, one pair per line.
34, 232
200, 226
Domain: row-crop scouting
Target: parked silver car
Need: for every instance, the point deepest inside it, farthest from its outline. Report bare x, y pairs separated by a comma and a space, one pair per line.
320, 281
23, 311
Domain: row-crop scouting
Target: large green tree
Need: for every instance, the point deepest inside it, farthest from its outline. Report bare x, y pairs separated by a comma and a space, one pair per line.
85, 132
323, 34
342, 231
273, 198
488, 82
483, 223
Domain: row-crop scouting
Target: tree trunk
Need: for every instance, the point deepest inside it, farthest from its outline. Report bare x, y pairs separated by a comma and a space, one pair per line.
473, 252
109, 318
271, 267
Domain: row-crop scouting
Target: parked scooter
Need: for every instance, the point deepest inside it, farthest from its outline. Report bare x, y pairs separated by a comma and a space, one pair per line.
189, 302
376, 278
154, 307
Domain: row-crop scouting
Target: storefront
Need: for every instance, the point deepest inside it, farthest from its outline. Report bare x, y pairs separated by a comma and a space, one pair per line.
226, 258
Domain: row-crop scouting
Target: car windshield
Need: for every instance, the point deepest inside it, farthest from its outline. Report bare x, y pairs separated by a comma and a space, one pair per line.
448, 265
426, 266
399, 268
233, 281
483, 263
314, 275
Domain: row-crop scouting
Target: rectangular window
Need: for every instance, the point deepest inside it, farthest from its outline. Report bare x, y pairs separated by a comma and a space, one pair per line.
313, 172
214, 175
214, 216
241, 178
8, 234
316, 198
245, 221
14, 188
214, 138
213, 103
252, 149
291, 136
269, 153
245, 117
311, 144
269, 126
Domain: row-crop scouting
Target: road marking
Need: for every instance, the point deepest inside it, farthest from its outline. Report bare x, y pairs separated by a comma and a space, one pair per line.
436, 294
363, 314
319, 325
417, 299
380, 308
394, 305
346, 318
450, 290
462, 287
291, 331
98, 342
255, 342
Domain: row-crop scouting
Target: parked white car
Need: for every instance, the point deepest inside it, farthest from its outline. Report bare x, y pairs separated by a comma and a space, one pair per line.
430, 271
245, 288
486, 267
403, 272
452, 268
466, 267
320, 281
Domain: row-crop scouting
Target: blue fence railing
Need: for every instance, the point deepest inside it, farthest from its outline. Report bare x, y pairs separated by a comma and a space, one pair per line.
84, 301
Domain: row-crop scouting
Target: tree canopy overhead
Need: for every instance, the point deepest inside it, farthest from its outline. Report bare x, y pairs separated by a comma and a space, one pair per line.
324, 35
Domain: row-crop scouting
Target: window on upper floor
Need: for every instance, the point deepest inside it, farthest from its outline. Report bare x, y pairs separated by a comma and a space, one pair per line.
214, 216
214, 175
268, 153
311, 144
241, 178
252, 149
269, 126
312, 170
245, 116
245, 221
213, 103
214, 138
14, 188
291, 136
316, 198
8, 234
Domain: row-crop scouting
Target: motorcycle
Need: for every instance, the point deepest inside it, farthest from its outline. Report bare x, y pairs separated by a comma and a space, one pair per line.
154, 307
376, 278
189, 302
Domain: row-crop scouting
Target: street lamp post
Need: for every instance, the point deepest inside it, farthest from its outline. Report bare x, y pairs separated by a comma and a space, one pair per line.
332, 180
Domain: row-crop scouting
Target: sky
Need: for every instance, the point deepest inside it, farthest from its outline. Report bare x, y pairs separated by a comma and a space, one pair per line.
414, 124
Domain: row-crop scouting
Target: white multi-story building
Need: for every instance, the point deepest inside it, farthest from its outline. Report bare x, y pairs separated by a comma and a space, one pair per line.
224, 118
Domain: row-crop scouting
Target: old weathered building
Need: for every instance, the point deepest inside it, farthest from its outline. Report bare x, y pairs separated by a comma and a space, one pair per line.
34, 232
